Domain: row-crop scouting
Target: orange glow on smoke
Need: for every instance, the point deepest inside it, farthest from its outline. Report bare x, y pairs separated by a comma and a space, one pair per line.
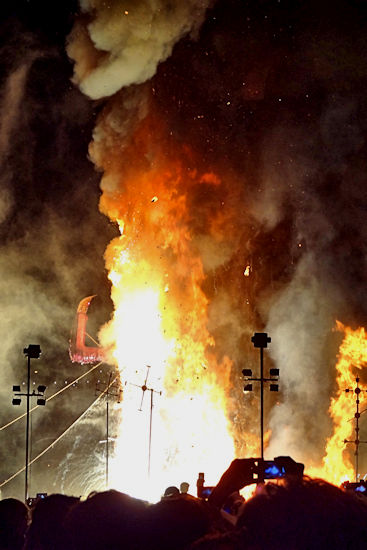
173, 218
160, 321
352, 357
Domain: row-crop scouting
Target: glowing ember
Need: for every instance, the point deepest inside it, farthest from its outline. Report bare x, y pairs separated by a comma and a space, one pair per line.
337, 466
247, 271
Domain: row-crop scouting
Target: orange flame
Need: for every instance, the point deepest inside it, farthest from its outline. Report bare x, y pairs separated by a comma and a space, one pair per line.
160, 320
337, 466
165, 210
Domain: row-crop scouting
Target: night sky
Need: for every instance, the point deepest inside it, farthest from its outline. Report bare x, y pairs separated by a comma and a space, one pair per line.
270, 96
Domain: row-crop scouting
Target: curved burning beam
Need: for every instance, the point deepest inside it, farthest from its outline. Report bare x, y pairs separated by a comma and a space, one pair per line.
78, 351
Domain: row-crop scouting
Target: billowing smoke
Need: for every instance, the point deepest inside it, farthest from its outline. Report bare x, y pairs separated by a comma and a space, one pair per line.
121, 43
317, 183
49, 227
286, 144
263, 107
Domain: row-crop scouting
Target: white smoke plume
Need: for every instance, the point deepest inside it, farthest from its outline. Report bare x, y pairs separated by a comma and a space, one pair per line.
300, 322
46, 222
121, 42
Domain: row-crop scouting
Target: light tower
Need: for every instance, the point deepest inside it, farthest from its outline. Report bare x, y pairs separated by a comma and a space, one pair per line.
113, 389
33, 351
356, 441
261, 341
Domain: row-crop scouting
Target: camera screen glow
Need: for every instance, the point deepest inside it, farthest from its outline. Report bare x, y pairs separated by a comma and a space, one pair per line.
273, 471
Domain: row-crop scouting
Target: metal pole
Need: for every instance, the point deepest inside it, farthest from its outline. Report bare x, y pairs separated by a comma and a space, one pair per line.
262, 401
107, 435
356, 441
27, 430
150, 429
107, 423
357, 415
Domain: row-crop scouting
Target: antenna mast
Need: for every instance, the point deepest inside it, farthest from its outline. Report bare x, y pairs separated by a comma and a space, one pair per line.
357, 441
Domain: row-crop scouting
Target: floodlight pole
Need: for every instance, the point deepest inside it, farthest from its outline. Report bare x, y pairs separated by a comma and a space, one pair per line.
113, 391
117, 393
27, 427
150, 428
261, 340
32, 352
107, 430
262, 402
356, 441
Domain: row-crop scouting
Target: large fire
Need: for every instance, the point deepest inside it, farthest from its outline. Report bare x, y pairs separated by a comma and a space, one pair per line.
175, 412
185, 288
337, 466
178, 396
160, 323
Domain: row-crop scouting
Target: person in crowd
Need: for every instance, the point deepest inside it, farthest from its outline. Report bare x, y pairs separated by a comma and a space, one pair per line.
171, 491
13, 523
175, 522
46, 531
109, 520
184, 488
304, 514
296, 514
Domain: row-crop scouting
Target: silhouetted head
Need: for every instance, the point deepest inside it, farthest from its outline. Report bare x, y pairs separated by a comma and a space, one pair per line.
108, 520
175, 522
47, 530
171, 491
296, 514
184, 487
304, 514
13, 523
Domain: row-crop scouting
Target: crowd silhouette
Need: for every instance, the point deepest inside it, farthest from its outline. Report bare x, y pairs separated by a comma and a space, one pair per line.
293, 513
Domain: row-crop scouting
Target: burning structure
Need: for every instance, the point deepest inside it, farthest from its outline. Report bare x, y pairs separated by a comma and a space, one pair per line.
230, 139
78, 350
190, 278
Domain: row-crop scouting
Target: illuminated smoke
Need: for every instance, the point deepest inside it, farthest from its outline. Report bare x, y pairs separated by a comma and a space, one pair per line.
121, 42
12, 97
287, 202
43, 234
313, 183
300, 320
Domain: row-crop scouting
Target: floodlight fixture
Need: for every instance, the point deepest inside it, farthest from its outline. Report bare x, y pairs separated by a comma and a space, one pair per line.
33, 351
41, 389
260, 340
248, 387
41, 401
247, 372
16, 388
16, 401
274, 372
274, 387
